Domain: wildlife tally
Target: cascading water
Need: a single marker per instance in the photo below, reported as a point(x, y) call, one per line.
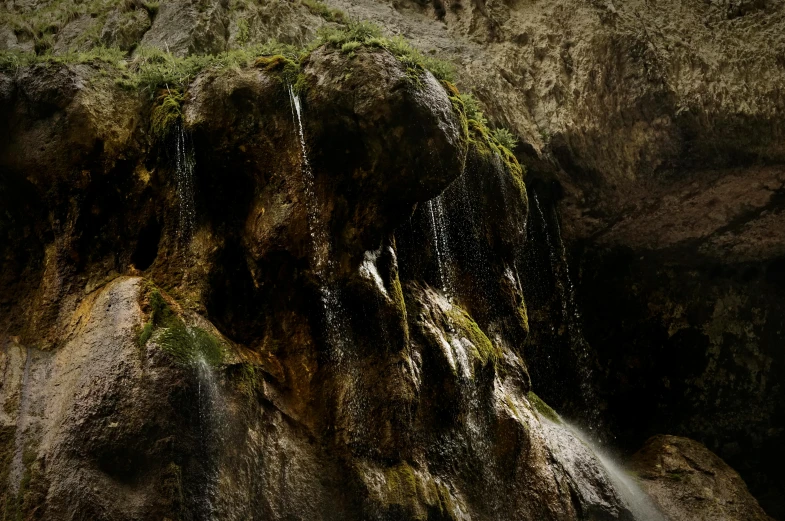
point(17, 463)
point(184, 174)
point(210, 422)
point(566, 442)
point(334, 315)
point(438, 222)
point(571, 318)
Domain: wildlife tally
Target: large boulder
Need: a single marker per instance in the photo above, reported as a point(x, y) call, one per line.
point(691, 483)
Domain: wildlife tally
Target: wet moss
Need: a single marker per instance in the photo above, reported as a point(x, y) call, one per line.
point(401, 484)
point(487, 352)
point(188, 344)
point(183, 343)
point(248, 379)
point(172, 484)
point(542, 408)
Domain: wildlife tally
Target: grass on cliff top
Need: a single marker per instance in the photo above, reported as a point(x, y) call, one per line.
point(165, 77)
point(356, 34)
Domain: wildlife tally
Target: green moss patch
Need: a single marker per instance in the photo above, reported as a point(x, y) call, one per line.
point(542, 408)
point(487, 352)
point(356, 34)
point(184, 344)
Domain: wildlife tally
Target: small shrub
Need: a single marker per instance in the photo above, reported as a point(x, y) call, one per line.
point(166, 113)
point(321, 9)
point(505, 138)
point(243, 31)
point(472, 109)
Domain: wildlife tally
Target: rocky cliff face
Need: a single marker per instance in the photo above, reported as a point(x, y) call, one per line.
point(294, 281)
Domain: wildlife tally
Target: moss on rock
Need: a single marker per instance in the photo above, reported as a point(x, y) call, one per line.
point(542, 408)
point(486, 351)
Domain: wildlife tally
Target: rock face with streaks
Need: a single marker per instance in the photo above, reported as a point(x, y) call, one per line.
point(315, 297)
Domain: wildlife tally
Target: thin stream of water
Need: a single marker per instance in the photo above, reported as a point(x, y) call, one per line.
point(186, 190)
point(571, 317)
point(636, 500)
point(335, 317)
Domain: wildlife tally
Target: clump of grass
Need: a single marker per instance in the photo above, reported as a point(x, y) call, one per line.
point(288, 70)
point(12, 60)
point(152, 8)
point(166, 113)
point(44, 23)
point(356, 34)
point(321, 9)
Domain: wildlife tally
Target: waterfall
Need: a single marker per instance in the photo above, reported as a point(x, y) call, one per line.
point(438, 222)
point(335, 318)
point(184, 172)
point(571, 318)
point(210, 422)
point(566, 441)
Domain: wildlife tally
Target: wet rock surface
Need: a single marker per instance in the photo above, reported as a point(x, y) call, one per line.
point(651, 133)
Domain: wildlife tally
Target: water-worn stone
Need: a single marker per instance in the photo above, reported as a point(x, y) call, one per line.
point(689, 482)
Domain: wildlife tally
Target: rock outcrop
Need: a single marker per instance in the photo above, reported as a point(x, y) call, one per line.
point(382, 311)
point(689, 482)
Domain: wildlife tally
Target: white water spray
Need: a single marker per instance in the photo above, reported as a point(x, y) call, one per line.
point(184, 172)
point(441, 245)
point(635, 499)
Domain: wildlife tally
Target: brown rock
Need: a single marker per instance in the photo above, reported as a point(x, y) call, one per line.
point(691, 483)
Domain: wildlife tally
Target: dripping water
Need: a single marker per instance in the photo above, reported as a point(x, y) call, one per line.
point(184, 175)
point(17, 464)
point(440, 234)
point(210, 409)
point(571, 317)
point(335, 318)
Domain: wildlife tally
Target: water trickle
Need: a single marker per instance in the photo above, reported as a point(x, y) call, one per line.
point(17, 464)
point(439, 231)
point(184, 172)
point(335, 317)
point(571, 317)
point(210, 423)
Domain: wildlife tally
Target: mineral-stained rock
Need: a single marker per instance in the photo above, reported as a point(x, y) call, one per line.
point(689, 482)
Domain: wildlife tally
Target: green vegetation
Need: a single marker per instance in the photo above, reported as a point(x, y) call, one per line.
point(186, 344)
point(505, 138)
point(543, 408)
point(321, 9)
point(166, 113)
point(287, 69)
point(183, 343)
point(486, 350)
point(356, 34)
point(248, 378)
point(165, 77)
